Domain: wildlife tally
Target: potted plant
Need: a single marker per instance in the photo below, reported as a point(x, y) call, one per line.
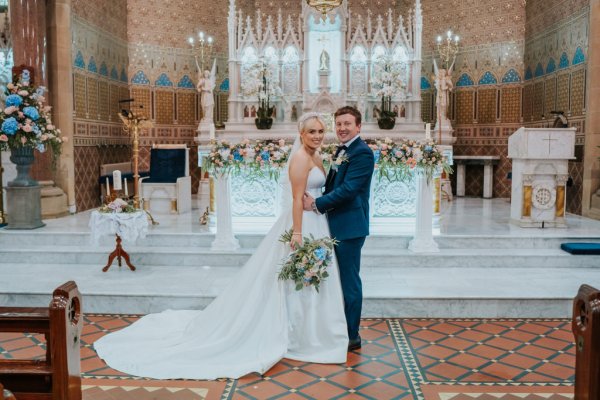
point(260, 80)
point(25, 126)
point(388, 82)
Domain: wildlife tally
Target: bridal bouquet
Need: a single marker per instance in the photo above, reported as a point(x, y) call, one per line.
point(307, 265)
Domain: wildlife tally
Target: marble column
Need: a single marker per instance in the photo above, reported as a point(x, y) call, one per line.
point(591, 165)
point(60, 72)
point(423, 241)
point(488, 179)
point(28, 31)
point(460, 179)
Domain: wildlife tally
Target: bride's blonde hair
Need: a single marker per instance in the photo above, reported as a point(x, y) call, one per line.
point(308, 117)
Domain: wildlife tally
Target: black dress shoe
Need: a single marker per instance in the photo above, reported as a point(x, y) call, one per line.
point(354, 344)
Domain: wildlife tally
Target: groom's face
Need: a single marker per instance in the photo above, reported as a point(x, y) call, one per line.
point(346, 128)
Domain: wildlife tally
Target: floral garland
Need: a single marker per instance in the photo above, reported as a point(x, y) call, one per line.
point(25, 121)
point(393, 161)
point(263, 157)
point(118, 205)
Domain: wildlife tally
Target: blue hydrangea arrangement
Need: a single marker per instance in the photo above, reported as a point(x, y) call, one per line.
point(25, 121)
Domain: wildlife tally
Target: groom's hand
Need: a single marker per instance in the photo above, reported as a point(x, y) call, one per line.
point(307, 202)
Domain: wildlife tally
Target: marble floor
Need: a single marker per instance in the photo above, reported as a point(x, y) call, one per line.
point(429, 359)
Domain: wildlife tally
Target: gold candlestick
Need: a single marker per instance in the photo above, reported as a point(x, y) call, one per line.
point(133, 122)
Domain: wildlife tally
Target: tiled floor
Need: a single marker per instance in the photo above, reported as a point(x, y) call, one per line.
point(400, 359)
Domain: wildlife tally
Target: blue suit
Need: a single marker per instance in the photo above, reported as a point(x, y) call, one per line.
point(346, 202)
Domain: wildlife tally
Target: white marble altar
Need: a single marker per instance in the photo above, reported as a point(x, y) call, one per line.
point(540, 169)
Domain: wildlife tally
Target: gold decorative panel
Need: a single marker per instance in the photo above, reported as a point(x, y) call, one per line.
point(186, 108)
point(527, 102)
point(79, 95)
point(142, 98)
point(114, 105)
point(486, 106)
point(164, 107)
point(538, 100)
point(92, 98)
point(577, 92)
point(563, 93)
point(464, 107)
point(550, 97)
point(103, 100)
point(426, 106)
point(510, 105)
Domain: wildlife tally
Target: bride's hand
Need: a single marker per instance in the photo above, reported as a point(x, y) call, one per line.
point(296, 240)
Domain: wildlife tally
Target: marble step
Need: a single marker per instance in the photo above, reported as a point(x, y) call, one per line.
point(388, 292)
point(250, 241)
point(393, 257)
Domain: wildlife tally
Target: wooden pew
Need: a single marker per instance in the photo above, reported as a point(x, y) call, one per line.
point(5, 394)
point(58, 376)
point(586, 328)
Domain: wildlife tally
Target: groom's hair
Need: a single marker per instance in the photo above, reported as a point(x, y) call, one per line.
point(349, 110)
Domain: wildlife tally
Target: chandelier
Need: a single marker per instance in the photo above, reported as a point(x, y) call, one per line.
point(324, 6)
point(202, 48)
point(447, 48)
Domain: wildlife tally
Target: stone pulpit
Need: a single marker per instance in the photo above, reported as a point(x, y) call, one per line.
point(540, 169)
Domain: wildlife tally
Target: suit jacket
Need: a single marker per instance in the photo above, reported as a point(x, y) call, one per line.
point(347, 192)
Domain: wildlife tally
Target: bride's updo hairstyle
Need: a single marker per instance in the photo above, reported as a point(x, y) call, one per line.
point(303, 121)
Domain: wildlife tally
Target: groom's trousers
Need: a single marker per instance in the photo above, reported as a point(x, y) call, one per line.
point(348, 257)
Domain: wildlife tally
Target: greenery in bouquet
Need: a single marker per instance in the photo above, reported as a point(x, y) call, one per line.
point(25, 121)
point(397, 161)
point(262, 158)
point(307, 264)
point(118, 205)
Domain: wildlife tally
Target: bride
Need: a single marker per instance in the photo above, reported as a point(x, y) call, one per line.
point(257, 320)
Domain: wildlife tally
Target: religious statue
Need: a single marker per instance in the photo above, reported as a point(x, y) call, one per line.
point(324, 61)
point(206, 85)
point(443, 85)
point(361, 106)
point(287, 109)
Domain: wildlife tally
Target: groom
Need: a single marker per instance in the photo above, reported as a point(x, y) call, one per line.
point(346, 202)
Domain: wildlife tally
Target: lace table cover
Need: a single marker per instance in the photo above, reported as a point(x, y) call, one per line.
point(129, 226)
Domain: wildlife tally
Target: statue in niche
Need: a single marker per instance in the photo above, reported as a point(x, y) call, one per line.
point(375, 112)
point(253, 112)
point(246, 112)
point(206, 85)
point(287, 109)
point(324, 61)
point(395, 109)
point(402, 111)
point(361, 106)
point(294, 113)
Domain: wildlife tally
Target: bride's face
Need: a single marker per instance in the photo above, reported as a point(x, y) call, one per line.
point(312, 135)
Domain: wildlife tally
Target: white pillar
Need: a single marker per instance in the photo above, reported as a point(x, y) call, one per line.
point(488, 181)
point(224, 238)
point(460, 180)
point(423, 241)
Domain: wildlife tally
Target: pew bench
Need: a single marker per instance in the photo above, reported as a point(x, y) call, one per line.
point(57, 377)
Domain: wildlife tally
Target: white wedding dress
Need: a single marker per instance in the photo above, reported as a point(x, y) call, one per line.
point(256, 321)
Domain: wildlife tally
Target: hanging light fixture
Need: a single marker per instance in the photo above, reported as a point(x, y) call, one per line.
point(324, 6)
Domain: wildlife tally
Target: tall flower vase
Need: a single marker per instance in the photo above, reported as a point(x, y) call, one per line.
point(23, 158)
point(423, 241)
point(23, 194)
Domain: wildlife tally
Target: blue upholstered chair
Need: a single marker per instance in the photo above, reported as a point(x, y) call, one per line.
point(168, 188)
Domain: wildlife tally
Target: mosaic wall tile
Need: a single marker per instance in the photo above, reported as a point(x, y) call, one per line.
point(551, 67)
point(143, 101)
point(579, 57)
point(538, 100)
point(109, 14)
point(92, 97)
point(186, 103)
point(163, 80)
point(528, 102)
point(164, 107)
point(575, 192)
point(186, 82)
point(113, 102)
point(464, 80)
point(103, 100)
point(511, 76)
point(486, 106)
point(92, 67)
point(564, 61)
point(79, 63)
point(103, 69)
point(425, 85)
point(80, 95)
point(563, 92)
point(427, 107)
point(464, 107)
point(577, 92)
point(510, 111)
point(550, 97)
point(488, 79)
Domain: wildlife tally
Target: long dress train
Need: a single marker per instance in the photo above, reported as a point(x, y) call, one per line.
point(256, 321)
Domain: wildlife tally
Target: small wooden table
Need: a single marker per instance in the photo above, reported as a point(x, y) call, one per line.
point(125, 226)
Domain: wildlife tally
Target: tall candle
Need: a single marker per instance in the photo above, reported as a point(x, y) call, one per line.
point(107, 187)
point(117, 180)
point(428, 131)
point(126, 191)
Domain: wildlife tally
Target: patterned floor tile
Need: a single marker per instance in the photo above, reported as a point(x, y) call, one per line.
point(430, 359)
